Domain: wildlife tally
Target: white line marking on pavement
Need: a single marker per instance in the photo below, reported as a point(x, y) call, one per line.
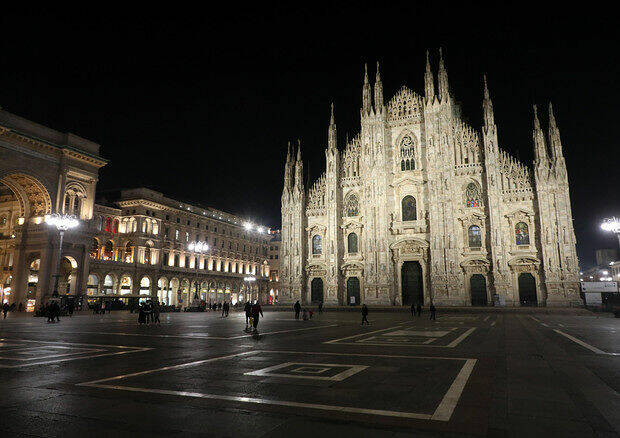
point(460, 339)
point(120, 347)
point(535, 319)
point(333, 341)
point(584, 344)
point(493, 323)
point(443, 412)
point(449, 401)
point(284, 331)
point(487, 318)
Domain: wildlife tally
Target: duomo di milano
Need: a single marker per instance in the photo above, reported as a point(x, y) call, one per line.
point(421, 207)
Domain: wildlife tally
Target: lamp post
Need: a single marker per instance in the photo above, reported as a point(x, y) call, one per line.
point(62, 222)
point(612, 224)
point(200, 248)
point(249, 280)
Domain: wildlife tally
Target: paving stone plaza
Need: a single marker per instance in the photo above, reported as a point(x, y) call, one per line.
point(493, 374)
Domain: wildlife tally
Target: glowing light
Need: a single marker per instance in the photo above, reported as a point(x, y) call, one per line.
point(199, 247)
point(611, 224)
point(247, 226)
point(63, 222)
point(250, 278)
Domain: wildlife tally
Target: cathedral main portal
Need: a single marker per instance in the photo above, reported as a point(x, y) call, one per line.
point(412, 283)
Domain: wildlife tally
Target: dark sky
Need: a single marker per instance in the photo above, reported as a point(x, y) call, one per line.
point(200, 104)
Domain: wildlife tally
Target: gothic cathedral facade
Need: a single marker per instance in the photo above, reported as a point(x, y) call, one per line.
point(421, 207)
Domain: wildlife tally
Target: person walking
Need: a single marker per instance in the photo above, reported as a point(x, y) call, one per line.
point(412, 309)
point(248, 313)
point(419, 309)
point(5, 309)
point(297, 308)
point(433, 311)
point(365, 314)
point(141, 314)
point(227, 308)
point(256, 312)
point(320, 307)
point(156, 311)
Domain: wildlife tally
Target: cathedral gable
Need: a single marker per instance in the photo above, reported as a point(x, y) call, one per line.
point(405, 107)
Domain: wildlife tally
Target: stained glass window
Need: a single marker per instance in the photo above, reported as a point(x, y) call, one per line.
point(472, 195)
point(351, 206)
point(522, 234)
point(409, 208)
point(407, 150)
point(474, 237)
point(352, 242)
point(317, 245)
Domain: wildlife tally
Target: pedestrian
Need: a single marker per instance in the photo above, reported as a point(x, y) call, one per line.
point(248, 313)
point(20, 308)
point(297, 308)
point(103, 306)
point(365, 314)
point(5, 309)
point(141, 315)
point(54, 311)
point(226, 308)
point(433, 311)
point(412, 309)
point(256, 312)
point(70, 306)
point(156, 311)
point(419, 309)
point(320, 307)
point(304, 314)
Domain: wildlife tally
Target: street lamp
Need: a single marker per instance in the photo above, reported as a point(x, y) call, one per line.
point(62, 222)
point(200, 248)
point(612, 224)
point(249, 279)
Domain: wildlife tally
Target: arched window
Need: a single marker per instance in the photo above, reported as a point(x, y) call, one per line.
point(317, 245)
point(351, 205)
point(472, 195)
point(352, 243)
point(94, 250)
point(77, 206)
point(409, 208)
point(108, 250)
point(407, 152)
point(522, 234)
point(474, 237)
point(147, 255)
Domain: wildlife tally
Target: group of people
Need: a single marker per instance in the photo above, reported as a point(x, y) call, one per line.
point(148, 312)
point(416, 308)
point(306, 313)
point(52, 311)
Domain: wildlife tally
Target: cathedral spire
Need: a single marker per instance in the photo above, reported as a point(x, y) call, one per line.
point(288, 171)
point(366, 103)
point(540, 148)
point(429, 81)
point(444, 89)
point(487, 106)
point(555, 143)
point(378, 91)
point(332, 136)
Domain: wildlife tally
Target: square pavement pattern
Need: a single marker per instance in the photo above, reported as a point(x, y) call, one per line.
point(198, 374)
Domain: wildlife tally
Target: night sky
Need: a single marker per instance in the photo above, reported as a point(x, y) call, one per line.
point(199, 104)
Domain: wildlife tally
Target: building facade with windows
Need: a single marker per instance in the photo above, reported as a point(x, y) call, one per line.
point(274, 265)
point(137, 246)
point(142, 246)
point(422, 207)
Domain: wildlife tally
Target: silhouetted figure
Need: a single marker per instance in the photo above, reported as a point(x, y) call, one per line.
point(297, 308)
point(320, 307)
point(412, 309)
point(256, 312)
point(365, 314)
point(248, 312)
point(5, 309)
point(419, 309)
point(433, 311)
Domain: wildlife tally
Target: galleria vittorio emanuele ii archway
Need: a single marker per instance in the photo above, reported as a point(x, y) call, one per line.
point(42, 172)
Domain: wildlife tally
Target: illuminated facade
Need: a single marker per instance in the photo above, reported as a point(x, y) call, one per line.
point(420, 206)
point(141, 247)
point(136, 247)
